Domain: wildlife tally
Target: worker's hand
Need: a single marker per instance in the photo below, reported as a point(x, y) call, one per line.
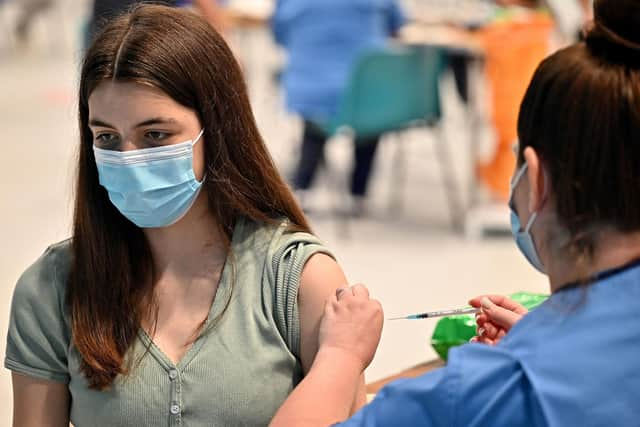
point(497, 316)
point(351, 325)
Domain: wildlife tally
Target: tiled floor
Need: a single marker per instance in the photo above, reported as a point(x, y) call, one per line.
point(409, 258)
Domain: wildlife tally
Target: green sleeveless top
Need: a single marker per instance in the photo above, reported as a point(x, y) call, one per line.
point(237, 373)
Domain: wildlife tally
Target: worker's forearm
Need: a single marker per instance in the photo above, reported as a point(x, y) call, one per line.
point(325, 396)
point(212, 12)
point(206, 7)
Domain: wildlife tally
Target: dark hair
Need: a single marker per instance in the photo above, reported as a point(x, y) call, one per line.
point(581, 114)
point(110, 284)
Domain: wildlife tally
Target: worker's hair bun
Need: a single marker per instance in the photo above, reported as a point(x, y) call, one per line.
point(616, 28)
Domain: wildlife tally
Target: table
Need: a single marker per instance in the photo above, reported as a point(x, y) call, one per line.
point(413, 372)
point(446, 36)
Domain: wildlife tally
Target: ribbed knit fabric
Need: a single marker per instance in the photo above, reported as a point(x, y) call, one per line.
point(237, 373)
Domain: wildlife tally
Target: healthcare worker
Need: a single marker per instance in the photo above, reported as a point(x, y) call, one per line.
point(573, 361)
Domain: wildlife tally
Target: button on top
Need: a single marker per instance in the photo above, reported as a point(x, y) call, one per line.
point(173, 374)
point(175, 409)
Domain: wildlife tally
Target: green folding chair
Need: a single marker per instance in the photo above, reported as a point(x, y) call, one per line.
point(392, 90)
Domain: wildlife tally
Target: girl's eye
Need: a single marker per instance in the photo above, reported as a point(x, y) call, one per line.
point(156, 136)
point(107, 139)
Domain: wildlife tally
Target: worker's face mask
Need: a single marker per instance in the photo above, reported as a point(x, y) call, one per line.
point(523, 237)
point(152, 187)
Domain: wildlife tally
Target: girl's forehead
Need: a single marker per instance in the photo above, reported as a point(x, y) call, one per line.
point(108, 92)
point(123, 102)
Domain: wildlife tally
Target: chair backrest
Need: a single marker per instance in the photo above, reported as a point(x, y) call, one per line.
point(390, 89)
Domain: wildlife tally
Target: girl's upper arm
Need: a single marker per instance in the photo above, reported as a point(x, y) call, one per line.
point(320, 278)
point(38, 340)
point(39, 402)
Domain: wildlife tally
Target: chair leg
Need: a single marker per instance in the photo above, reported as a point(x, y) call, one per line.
point(399, 176)
point(58, 26)
point(340, 195)
point(449, 181)
point(475, 117)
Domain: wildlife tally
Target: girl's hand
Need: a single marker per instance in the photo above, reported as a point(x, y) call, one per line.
point(352, 325)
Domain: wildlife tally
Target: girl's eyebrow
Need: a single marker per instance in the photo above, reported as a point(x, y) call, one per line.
point(152, 121)
point(99, 123)
point(156, 121)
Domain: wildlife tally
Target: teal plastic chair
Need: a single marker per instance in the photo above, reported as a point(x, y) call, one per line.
point(392, 90)
point(389, 90)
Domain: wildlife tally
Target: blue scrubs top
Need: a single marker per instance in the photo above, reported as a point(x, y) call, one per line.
point(323, 40)
point(574, 361)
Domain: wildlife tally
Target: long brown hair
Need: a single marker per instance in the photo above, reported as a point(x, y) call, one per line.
point(110, 281)
point(581, 114)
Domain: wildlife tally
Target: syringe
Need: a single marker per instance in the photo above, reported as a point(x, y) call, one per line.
point(440, 313)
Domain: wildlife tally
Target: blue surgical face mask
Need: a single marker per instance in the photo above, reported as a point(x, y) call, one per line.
point(523, 237)
point(152, 187)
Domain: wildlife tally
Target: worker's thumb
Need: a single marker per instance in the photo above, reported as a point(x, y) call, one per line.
point(499, 315)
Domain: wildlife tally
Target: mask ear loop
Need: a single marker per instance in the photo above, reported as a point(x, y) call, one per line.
point(534, 215)
point(518, 177)
point(204, 177)
point(198, 137)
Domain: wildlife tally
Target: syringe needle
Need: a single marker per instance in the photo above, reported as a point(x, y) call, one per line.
point(440, 313)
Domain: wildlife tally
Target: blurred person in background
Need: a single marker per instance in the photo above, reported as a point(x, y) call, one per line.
point(323, 40)
point(192, 288)
point(28, 11)
point(575, 204)
point(214, 11)
point(514, 44)
point(103, 11)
